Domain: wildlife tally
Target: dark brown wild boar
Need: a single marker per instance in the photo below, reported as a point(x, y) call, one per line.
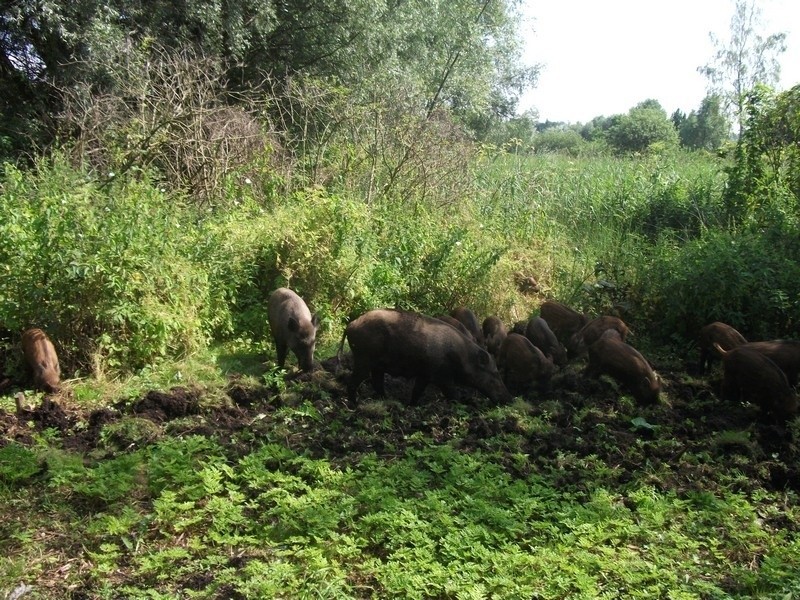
point(457, 324)
point(521, 364)
point(716, 333)
point(519, 327)
point(293, 327)
point(408, 344)
point(750, 375)
point(541, 336)
point(784, 353)
point(591, 332)
point(611, 356)
point(470, 321)
point(563, 320)
point(494, 332)
point(41, 357)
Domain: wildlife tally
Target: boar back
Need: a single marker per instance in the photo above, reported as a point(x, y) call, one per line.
point(563, 320)
point(494, 332)
point(541, 336)
point(717, 333)
point(750, 375)
point(591, 332)
point(470, 321)
point(610, 355)
point(408, 344)
point(521, 364)
point(784, 353)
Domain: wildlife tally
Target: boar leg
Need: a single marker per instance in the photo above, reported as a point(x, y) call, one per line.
point(377, 382)
point(591, 371)
point(704, 361)
point(450, 391)
point(419, 387)
point(282, 349)
point(731, 391)
point(359, 374)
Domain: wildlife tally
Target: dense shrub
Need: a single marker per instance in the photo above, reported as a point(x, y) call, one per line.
point(120, 274)
point(565, 141)
point(736, 278)
point(764, 179)
point(344, 257)
point(645, 127)
point(100, 267)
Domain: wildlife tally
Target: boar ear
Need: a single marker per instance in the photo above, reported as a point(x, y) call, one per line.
point(315, 320)
point(293, 324)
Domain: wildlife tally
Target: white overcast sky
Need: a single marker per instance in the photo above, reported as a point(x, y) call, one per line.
point(603, 57)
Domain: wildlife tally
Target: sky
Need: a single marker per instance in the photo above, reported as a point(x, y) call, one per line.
point(601, 58)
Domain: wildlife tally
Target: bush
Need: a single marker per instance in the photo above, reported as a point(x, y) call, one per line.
point(343, 257)
point(564, 141)
point(645, 127)
point(100, 267)
point(735, 278)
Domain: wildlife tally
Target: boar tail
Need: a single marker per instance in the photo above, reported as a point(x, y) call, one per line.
point(341, 345)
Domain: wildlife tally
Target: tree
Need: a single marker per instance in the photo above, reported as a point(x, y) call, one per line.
point(705, 128)
point(764, 180)
point(563, 141)
point(747, 59)
point(644, 126)
point(463, 55)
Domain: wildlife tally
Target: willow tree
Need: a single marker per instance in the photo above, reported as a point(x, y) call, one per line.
point(461, 54)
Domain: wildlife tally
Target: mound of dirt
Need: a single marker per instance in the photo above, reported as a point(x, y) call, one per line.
point(165, 406)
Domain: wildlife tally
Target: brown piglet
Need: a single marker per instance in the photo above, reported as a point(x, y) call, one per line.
point(41, 357)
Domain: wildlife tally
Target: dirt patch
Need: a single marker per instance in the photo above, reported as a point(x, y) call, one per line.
point(165, 406)
point(584, 430)
point(246, 396)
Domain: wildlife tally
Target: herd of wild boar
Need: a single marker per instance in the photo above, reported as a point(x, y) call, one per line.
point(457, 350)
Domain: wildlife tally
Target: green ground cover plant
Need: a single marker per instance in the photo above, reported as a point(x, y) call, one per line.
point(299, 495)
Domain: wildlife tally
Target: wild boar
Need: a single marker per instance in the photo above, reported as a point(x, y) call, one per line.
point(521, 364)
point(752, 376)
point(494, 332)
point(41, 357)
point(784, 353)
point(408, 344)
point(293, 327)
point(457, 324)
point(716, 333)
point(563, 320)
point(541, 336)
point(592, 331)
point(610, 355)
point(519, 327)
point(470, 321)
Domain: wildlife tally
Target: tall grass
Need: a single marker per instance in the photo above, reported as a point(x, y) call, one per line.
point(124, 274)
point(590, 226)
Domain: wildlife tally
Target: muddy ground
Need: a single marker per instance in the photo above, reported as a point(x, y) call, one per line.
point(682, 443)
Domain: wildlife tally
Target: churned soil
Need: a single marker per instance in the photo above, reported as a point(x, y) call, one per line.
point(678, 444)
